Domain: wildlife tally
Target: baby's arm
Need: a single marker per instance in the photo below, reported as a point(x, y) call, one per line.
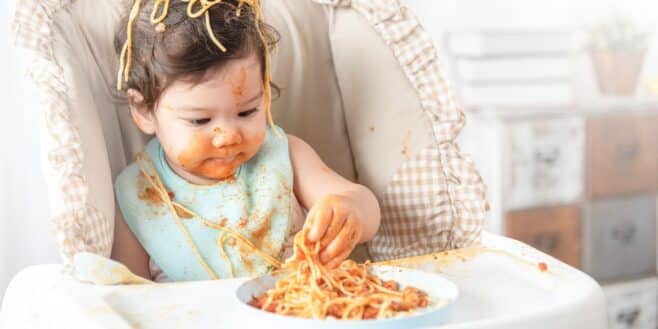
point(127, 249)
point(341, 214)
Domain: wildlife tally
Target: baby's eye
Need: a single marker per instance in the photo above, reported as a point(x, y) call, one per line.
point(247, 113)
point(199, 122)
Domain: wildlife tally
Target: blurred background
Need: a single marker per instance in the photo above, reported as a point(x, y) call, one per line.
point(561, 99)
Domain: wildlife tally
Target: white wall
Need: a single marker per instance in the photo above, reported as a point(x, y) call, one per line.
point(465, 14)
point(25, 232)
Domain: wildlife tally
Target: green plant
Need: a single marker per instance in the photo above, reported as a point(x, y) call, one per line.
point(617, 34)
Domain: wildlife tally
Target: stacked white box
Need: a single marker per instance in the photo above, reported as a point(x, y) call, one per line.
point(512, 68)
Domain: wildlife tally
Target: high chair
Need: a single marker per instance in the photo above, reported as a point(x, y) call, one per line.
point(362, 84)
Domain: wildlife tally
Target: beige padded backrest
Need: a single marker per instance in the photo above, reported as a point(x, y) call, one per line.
point(361, 83)
point(403, 122)
point(310, 105)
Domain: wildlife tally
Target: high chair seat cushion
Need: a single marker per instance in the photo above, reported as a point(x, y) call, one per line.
point(360, 82)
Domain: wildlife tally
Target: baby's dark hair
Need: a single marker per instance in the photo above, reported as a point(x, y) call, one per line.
point(180, 47)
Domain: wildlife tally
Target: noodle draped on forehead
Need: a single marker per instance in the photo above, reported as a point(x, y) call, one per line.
point(196, 9)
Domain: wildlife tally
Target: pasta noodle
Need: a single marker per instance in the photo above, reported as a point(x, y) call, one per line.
point(310, 290)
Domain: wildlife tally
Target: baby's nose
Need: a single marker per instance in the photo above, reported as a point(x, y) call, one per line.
point(223, 138)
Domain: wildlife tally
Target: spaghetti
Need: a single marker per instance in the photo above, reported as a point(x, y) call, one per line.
point(310, 290)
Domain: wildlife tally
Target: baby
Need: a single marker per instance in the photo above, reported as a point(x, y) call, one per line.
point(219, 192)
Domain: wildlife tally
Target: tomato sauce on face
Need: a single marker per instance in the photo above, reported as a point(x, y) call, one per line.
point(201, 158)
point(239, 87)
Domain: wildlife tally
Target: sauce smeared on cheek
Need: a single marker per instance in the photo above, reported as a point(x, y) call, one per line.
point(196, 158)
point(202, 159)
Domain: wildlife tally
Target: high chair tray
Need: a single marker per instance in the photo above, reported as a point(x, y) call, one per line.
point(502, 284)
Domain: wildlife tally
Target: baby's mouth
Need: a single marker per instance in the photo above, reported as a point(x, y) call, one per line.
point(222, 160)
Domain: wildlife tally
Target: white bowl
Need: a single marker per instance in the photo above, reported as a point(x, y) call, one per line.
point(442, 294)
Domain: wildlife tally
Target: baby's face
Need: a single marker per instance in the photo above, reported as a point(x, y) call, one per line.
point(209, 129)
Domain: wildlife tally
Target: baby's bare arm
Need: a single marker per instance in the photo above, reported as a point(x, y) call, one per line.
point(127, 249)
point(342, 213)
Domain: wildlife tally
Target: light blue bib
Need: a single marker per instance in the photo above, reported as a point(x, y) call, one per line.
point(257, 204)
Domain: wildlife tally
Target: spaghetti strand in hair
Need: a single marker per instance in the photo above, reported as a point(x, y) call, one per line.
point(126, 52)
point(163, 12)
point(196, 9)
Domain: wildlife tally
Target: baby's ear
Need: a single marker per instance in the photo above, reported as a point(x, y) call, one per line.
point(142, 115)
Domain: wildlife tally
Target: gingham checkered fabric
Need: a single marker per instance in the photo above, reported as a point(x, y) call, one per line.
point(78, 225)
point(436, 200)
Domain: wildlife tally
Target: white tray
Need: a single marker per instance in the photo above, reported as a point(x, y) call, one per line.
point(500, 284)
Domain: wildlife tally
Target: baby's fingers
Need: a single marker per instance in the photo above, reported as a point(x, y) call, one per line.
point(320, 218)
point(338, 221)
point(338, 259)
point(345, 240)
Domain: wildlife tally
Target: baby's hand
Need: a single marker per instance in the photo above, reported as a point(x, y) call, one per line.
point(334, 222)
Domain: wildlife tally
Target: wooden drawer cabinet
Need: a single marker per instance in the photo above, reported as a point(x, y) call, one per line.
point(632, 304)
point(555, 231)
point(622, 155)
point(620, 238)
point(545, 162)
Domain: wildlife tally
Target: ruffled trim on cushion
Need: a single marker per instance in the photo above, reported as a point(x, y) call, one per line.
point(78, 225)
point(436, 200)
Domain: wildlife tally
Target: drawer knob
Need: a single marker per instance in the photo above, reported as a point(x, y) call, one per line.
point(548, 158)
point(624, 232)
point(628, 317)
point(546, 242)
point(627, 152)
